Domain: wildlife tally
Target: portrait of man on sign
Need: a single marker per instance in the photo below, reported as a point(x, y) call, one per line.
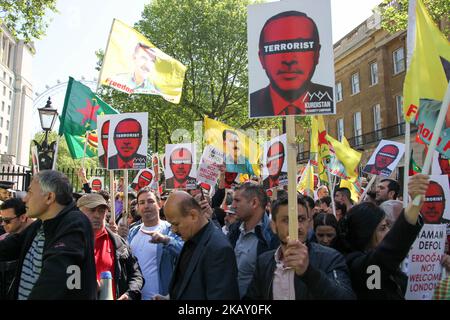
point(127, 139)
point(383, 159)
point(96, 184)
point(275, 159)
point(104, 136)
point(235, 161)
point(434, 206)
point(143, 179)
point(180, 165)
point(141, 78)
point(289, 51)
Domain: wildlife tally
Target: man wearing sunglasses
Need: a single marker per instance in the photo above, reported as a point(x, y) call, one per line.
point(12, 217)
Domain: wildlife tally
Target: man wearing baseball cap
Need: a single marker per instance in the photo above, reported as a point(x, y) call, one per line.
point(111, 251)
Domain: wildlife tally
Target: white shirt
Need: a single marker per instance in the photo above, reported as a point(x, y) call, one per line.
point(283, 280)
point(145, 253)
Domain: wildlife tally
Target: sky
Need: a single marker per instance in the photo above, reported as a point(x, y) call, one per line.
point(82, 26)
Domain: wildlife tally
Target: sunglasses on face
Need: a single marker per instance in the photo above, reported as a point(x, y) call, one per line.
point(7, 220)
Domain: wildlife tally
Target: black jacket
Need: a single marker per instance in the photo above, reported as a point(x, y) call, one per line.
point(326, 278)
point(127, 273)
point(211, 273)
point(69, 241)
point(387, 256)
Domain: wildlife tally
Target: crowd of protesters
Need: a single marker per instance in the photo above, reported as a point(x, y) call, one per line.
point(225, 244)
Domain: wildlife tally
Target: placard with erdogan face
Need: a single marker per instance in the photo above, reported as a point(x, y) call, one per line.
point(180, 167)
point(127, 141)
point(144, 178)
point(97, 183)
point(436, 206)
point(103, 123)
point(385, 158)
point(290, 54)
point(274, 170)
point(440, 164)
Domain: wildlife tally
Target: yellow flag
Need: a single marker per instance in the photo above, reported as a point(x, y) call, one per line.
point(346, 160)
point(133, 65)
point(306, 183)
point(355, 193)
point(241, 152)
point(426, 77)
point(320, 147)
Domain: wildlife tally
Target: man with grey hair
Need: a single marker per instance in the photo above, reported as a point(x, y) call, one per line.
point(56, 254)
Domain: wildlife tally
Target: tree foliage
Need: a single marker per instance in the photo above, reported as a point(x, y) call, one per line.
point(395, 14)
point(64, 158)
point(26, 18)
point(210, 38)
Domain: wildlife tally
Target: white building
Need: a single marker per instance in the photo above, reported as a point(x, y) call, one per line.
point(16, 99)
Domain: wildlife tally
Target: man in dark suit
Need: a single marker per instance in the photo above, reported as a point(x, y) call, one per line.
point(289, 53)
point(206, 268)
point(127, 139)
point(180, 164)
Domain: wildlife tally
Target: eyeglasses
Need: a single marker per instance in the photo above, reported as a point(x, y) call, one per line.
point(7, 220)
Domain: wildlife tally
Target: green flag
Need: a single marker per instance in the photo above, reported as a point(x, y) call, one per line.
point(81, 107)
point(413, 166)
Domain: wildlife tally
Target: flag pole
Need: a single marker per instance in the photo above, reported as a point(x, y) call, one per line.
point(292, 177)
point(111, 191)
point(331, 184)
point(125, 197)
point(84, 150)
point(436, 136)
point(369, 185)
point(106, 51)
point(411, 37)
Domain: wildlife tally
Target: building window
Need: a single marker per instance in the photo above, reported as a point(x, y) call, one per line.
point(357, 125)
point(9, 110)
point(4, 91)
point(3, 106)
point(0, 138)
point(10, 95)
point(339, 95)
point(373, 73)
point(340, 128)
point(399, 106)
point(377, 121)
point(1, 122)
point(355, 83)
point(10, 81)
point(4, 75)
point(7, 124)
point(399, 60)
point(6, 141)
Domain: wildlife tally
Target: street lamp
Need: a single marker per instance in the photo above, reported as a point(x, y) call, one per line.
point(47, 116)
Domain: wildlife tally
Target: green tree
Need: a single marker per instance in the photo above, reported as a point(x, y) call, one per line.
point(395, 14)
point(210, 38)
point(64, 159)
point(26, 18)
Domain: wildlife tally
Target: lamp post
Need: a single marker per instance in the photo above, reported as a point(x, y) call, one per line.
point(46, 151)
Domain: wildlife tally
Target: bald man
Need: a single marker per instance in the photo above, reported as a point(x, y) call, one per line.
point(206, 268)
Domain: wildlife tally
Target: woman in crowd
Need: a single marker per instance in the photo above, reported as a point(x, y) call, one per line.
point(377, 250)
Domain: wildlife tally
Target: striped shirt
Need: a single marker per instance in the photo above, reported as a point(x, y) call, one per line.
point(32, 265)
